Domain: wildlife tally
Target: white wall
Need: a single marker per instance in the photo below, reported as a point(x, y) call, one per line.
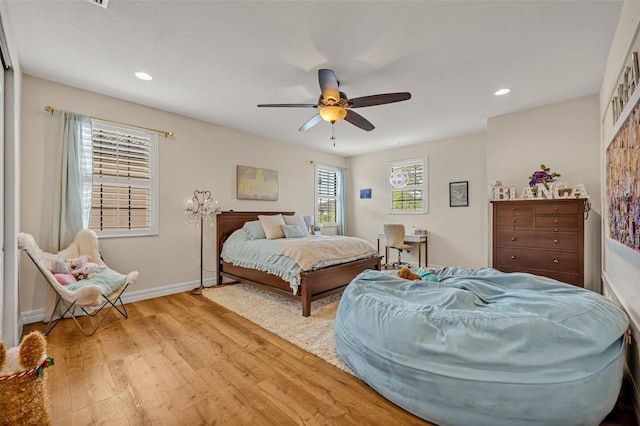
point(200, 156)
point(620, 264)
point(457, 235)
point(563, 136)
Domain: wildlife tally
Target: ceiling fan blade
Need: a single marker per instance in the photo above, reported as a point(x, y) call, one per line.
point(385, 98)
point(289, 105)
point(359, 121)
point(310, 123)
point(328, 84)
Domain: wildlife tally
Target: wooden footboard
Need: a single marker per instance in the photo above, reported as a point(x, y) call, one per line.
point(314, 285)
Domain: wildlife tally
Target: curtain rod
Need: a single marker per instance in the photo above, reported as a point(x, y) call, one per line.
point(162, 132)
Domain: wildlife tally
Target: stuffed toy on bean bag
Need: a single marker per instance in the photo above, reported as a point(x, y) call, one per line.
point(424, 274)
point(22, 389)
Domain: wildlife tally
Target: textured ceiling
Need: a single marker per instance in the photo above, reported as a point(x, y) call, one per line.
point(216, 60)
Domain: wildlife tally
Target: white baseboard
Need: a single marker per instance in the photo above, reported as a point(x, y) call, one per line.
point(37, 315)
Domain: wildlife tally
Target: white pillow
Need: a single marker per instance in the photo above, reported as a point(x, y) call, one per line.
point(272, 226)
point(297, 220)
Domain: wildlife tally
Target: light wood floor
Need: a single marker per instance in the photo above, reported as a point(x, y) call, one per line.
point(183, 360)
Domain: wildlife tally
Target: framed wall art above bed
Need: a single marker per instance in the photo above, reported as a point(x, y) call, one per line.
point(257, 184)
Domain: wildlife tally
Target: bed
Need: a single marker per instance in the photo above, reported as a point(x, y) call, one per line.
point(313, 284)
point(484, 347)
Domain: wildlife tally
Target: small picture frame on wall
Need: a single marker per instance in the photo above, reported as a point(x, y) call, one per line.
point(459, 194)
point(365, 193)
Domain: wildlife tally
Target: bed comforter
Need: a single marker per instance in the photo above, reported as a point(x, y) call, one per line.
point(287, 257)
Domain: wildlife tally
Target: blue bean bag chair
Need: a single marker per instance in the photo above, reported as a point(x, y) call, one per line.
point(482, 347)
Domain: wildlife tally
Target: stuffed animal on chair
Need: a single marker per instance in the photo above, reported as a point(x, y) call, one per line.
point(78, 262)
point(87, 270)
point(22, 389)
point(62, 273)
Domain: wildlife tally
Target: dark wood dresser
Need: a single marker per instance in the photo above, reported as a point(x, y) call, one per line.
point(542, 237)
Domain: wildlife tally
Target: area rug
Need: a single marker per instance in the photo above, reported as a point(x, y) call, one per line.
point(276, 314)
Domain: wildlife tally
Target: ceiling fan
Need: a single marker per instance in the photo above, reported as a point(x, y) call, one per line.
point(334, 105)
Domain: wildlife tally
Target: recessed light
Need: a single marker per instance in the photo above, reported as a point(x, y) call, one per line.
point(501, 92)
point(143, 75)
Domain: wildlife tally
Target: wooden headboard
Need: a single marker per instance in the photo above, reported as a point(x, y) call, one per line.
point(229, 221)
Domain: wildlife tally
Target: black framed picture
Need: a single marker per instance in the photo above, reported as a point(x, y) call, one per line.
point(459, 194)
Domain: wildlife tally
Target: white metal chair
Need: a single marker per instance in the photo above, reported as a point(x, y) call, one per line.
point(394, 238)
point(104, 290)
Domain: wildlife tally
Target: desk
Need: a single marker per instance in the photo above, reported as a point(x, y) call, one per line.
point(419, 240)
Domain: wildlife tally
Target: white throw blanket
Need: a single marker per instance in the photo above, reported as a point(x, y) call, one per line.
point(309, 252)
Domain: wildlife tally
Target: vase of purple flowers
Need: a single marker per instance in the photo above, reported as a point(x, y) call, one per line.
point(544, 175)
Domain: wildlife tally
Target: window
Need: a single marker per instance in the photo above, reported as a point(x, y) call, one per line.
point(411, 198)
point(328, 202)
point(124, 199)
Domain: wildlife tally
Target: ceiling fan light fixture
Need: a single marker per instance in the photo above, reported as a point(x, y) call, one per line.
point(332, 113)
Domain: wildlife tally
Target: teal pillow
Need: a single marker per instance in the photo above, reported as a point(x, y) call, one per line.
point(255, 230)
point(108, 279)
point(292, 231)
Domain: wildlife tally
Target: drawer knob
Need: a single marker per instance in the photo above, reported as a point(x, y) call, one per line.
point(555, 261)
point(513, 221)
point(555, 221)
point(513, 238)
point(555, 208)
point(555, 241)
point(555, 230)
point(513, 209)
point(513, 257)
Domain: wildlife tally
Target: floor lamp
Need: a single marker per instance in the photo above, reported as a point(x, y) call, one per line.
point(200, 209)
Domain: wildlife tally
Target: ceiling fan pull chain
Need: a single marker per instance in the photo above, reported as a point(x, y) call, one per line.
point(333, 134)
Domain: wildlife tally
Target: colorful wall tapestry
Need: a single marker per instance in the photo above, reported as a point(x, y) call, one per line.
point(623, 182)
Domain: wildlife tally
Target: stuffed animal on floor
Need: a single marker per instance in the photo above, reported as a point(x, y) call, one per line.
point(22, 389)
point(424, 274)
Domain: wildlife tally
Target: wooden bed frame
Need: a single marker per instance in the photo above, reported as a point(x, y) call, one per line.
point(314, 285)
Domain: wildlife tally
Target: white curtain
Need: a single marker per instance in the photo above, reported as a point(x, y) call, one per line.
point(72, 178)
point(68, 184)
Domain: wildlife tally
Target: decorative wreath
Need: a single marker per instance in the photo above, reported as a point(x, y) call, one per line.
point(399, 179)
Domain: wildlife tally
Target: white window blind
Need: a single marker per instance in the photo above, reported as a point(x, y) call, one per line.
point(124, 201)
point(412, 198)
point(327, 195)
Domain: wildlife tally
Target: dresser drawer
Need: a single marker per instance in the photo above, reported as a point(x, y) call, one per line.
point(512, 209)
point(547, 240)
point(544, 260)
point(565, 278)
point(514, 221)
point(557, 208)
point(558, 221)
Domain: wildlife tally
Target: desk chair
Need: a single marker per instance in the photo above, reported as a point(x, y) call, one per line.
point(394, 238)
